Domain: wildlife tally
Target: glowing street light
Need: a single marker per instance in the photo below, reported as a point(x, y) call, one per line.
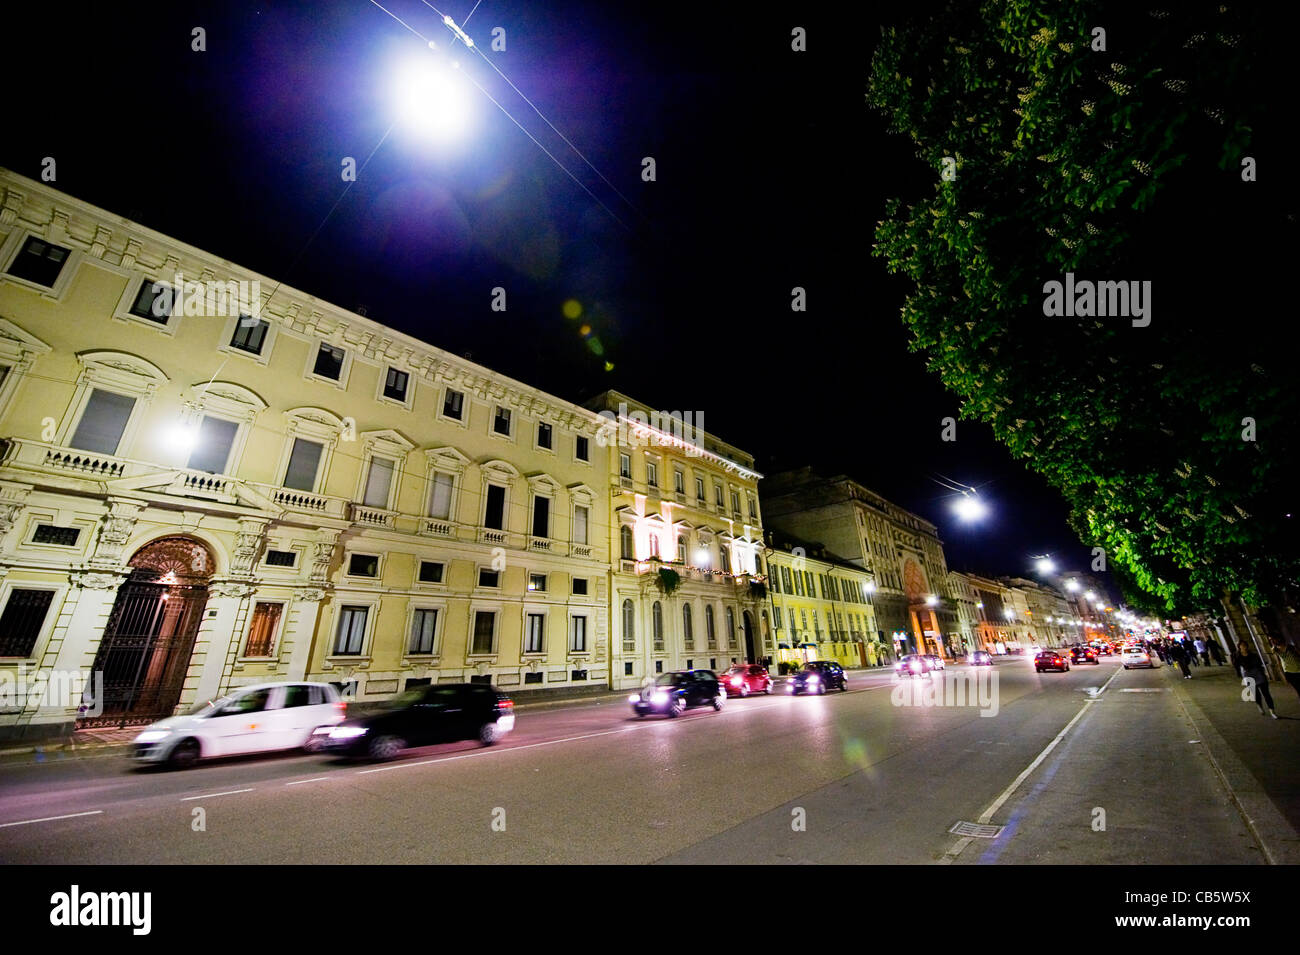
point(1072, 585)
point(433, 98)
point(969, 508)
point(1045, 565)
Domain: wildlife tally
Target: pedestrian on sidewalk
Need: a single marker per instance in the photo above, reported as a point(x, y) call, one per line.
point(1178, 653)
point(1251, 668)
point(1190, 651)
point(1203, 650)
point(1290, 663)
point(1216, 651)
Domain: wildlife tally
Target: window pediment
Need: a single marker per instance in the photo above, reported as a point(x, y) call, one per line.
point(446, 459)
point(122, 369)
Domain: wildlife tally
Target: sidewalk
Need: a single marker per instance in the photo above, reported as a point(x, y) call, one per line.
point(1258, 757)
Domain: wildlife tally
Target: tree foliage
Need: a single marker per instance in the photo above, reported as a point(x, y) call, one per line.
point(1118, 165)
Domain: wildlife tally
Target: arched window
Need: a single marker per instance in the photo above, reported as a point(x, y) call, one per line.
point(688, 627)
point(657, 615)
point(710, 632)
point(629, 627)
point(731, 629)
point(724, 564)
point(625, 548)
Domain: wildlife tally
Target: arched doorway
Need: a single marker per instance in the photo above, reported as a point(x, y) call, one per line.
point(145, 650)
point(751, 651)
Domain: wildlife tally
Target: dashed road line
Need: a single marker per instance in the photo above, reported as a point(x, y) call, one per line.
point(228, 792)
point(71, 815)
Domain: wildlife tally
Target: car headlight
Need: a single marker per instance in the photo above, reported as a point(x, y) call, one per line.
point(634, 698)
point(814, 678)
point(348, 732)
point(153, 736)
point(659, 696)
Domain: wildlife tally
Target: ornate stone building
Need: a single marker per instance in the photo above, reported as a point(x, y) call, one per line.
point(202, 488)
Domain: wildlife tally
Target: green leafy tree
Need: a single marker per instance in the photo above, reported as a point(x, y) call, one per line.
point(1115, 164)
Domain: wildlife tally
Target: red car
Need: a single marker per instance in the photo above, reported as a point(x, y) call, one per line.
point(746, 678)
point(1051, 660)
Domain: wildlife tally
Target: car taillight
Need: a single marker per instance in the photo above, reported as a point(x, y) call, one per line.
point(341, 706)
point(505, 704)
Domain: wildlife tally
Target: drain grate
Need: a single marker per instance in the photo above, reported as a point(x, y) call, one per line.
point(976, 831)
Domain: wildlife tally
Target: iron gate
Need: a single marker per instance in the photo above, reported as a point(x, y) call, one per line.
point(145, 650)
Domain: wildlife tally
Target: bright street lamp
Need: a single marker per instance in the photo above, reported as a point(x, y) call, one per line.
point(969, 508)
point(433, 98)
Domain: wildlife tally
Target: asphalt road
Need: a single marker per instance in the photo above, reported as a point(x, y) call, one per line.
point(1091, 766)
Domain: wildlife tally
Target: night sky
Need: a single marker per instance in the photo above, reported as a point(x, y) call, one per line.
point(771, 173)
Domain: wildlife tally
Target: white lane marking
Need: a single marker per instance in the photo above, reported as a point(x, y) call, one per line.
point(228, 792)
point(987, 814)
point(299, 782)
point(71, 815)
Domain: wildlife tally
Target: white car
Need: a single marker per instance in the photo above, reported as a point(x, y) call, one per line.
point(252, 719)
point(1135, 656)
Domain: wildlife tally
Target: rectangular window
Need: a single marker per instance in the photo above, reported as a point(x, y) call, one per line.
point(652, 474)
point(541, 517)
point(580, 515)
point(53, 534)
point(103, 422)
point(501, 421)
point(424, 624)
point(262, 631)
point(329, 362)
point(533, 633)
point(395, 384)
point(304, 461)
point(489, 578)
point(484, 627)
point(21, 622)
point(39, 261)
point(494, 513)
point(544, 435)
point(440, 495)
point(379, 482)
point(578, 635)
point(431, 571)
point(154, 301)
point(363, 565)
point(581, 449)
point(250, 334)
point(735, 502)
point(453, 404)
point(776, 617)
point(679, 481)
point(624, 466)
point(699, 489)
point(212, 448)
point(352, 631)
point(281, 558)
point(580, 586)
point(717, 494)
point(537, 582)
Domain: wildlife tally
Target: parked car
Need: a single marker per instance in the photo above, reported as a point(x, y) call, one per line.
point(438, 713)
point(746, 678)
point(913, 664)
point(677, 691)
point(980, 658)
point(1135, 655)
point(253, 719)
point(818, 676)
point(1084, 655)
point(1051, 660)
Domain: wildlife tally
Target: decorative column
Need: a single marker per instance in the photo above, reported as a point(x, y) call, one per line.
point(115, 530)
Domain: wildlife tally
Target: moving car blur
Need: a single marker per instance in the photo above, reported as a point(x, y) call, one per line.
point(423, 715)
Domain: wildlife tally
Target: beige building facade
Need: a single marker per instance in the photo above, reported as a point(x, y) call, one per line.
point(202, 489)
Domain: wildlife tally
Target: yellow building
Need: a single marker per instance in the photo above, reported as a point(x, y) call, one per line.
point(201, 488)
point(686, 541)
point(821, 606)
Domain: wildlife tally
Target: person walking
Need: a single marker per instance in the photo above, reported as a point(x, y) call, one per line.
point(1251, 668)
point(1216, 651)
point(1190, 650)
point(1290, 663)
point(1203, 650)
point(1178, 653)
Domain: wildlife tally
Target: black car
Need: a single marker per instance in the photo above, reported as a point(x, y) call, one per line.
point(426, 714)
point(677, 691)
point(818, 677)
point(1084, 655)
